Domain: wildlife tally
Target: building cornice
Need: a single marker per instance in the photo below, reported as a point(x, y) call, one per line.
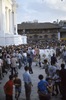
point(14, 5)
point(10, 1)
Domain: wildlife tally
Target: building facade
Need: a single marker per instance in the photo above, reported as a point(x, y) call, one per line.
point(8, 25)
point(62, 24)
point(40, 33)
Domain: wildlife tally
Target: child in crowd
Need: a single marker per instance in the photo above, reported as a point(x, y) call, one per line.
point(17, 83)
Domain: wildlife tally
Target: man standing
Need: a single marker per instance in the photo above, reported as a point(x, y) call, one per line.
point(8, 89)
point(62, 74)
point(29, 60)
point(27, 83)
point(13, 64)
point(17, 83)
point(1, 64)
point(53, 59)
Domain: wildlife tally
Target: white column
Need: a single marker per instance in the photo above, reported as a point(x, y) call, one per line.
point(9, 19)
point(14, 15)
point(0, 13)
point(10, 22)
point(58, 35)
point(6, 19)
point(13, 22)
point(2, 22)
point(2, 18)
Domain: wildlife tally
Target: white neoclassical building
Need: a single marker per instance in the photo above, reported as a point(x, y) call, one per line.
point(8, 25)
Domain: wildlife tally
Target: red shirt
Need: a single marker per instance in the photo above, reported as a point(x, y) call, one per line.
point(8, 88)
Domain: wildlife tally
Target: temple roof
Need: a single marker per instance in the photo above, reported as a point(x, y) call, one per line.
point(38, 26)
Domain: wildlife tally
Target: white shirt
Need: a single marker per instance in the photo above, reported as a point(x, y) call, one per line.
point(56, 78)
point(8, 61)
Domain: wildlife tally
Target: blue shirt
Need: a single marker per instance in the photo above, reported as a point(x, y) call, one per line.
point(27, 78)
point(42, 86)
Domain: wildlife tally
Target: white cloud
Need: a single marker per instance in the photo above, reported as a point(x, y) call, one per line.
point(42, 10)
point(57, 4)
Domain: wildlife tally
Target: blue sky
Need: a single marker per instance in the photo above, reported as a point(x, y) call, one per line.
point(41, 10)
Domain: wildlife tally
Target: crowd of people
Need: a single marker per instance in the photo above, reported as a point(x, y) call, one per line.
point(12, 58)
